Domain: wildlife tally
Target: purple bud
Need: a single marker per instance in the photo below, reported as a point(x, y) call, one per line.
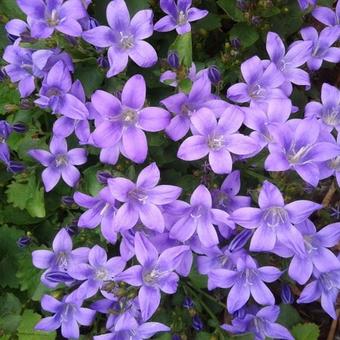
point(188, 303)
point(26, 104)
point(235, 43)
point(214, 74)
point(176, 337)
point(173, 59)
point(19, 127)
point(103, 62)
point(255, 20)
point(197, 323)
point(286, 294)
point(12, 38)
point(24, 241)
point(240, 314)
point(93, 23)
point(15, 167)
point(103, 176)
point(2, 75)
point(242, 5)
point(67, 200)
point(72, 228)
point(239, 241)
point(5, 130)
point(58, 276)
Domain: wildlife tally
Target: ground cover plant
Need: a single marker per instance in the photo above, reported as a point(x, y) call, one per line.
point(169, 169)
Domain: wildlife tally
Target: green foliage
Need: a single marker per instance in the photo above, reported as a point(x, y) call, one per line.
point(306, 331)
point(288, 317)
point(183, 46)
point(10, 308)
point(246, 33)
point(229, 6)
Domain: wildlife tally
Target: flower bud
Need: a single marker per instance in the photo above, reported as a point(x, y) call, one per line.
point(173, 59)
point(72, 228)
point(255, 20)
point(67, 200)
point(214, 74)
point(235, 43)
point(103, 176)
point(188, 303)
point(15, 167)
point(24, 241)
point(176, 337)
point(286, 294)
point(197, 323)
point(239, 241)
point(92, 23)
point(103, 62)
point(19, 127)
point(12, 38)
point(58, 276)
point(2, 74)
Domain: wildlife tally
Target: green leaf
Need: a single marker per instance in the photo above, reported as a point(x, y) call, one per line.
point(11, 9)
point(209, 23)
point(306, 331)
point(183, 46)
point(137, 5)
point(203, 336)
point(246, 33)
point(230, 7)
point(288, 316)
point(197, 280)
point(9, 96)
point(92, 186)
point(91, 76)
point(26, 328)
point(10, 308)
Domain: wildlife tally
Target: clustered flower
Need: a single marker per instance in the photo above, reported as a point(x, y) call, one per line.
point(160, 235)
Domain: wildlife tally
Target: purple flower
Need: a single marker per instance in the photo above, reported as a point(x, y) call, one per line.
point(56, 84)
point(130, 329)
point(45, 17)
point(143, 199)
point(75, 115)
point(59, 163)
point(299, 145)
point(262, 325)
point(247, 279)
point(5, 131)
point(17, 28)
point(199, 216)
point(124, 37)
point(154, 274)
point(304, 4)
point(101, 210)
point(288, 63)
point(97, 273)
point(184, 107)
point(325, 286)
point(178, 16)
point(60, 258)
point(274, 219)
point(327, 16)
point(226, 197)
point(24, 66)
point(329, 111)
point(261, 83)
point(68, 314)
point(125, 120)
point(314, 254)
point(216, 139)
point(321, 49)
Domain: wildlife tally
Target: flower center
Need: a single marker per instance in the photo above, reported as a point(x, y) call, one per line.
point(308, 243)
point(216, 142)
point(129, 116)
point(275, 217)
point(196, 212)
point(61, 160)
point(126, 41)
point(295, 157)
point(67, 312)
point(332, 116)
point(222, 199)
point(284, 65)
point(138, 195)
point(257, 91)
point(53, 20)
point(53, 91)
point(182, 18)
point(152, 277)
point(335, 163)
point(61, 259)
point(102, 274)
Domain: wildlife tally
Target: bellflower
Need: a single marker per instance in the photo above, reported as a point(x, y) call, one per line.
point(327, 16)
point(297, 145)
point(263, 120)
point(5, 131)
point(199, 216)
point(59, 162)
point(262, 325)
point(97, 272)
point(130, 329)
point(328, 111)
point(274, 219)
point(184, 107)
point(304, 4)
point(56, 84)
point(325, 286)
point(142, 199)
point(100, 210)
point(60, 258)
point(24, 66)
point(217, 139)
point(155, 273)
point(124, 37)
point(314, 254)
point(17, 28)
point(288, 63)
point(261, 83)
point(68, 314)
point(45, 17)
point(226, 197)
point(247, 279)
point(125, 120)
point(322, 46)
point(75, 115)
point(178, 16)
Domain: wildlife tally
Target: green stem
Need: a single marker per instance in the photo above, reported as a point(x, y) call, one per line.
point(83, 60)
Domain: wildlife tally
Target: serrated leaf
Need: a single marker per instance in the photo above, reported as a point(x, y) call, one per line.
point(306, 331)
point(26, 328)
point(183, 46)
point(230, 7)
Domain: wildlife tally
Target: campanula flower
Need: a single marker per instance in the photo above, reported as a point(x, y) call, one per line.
point(327, 16)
